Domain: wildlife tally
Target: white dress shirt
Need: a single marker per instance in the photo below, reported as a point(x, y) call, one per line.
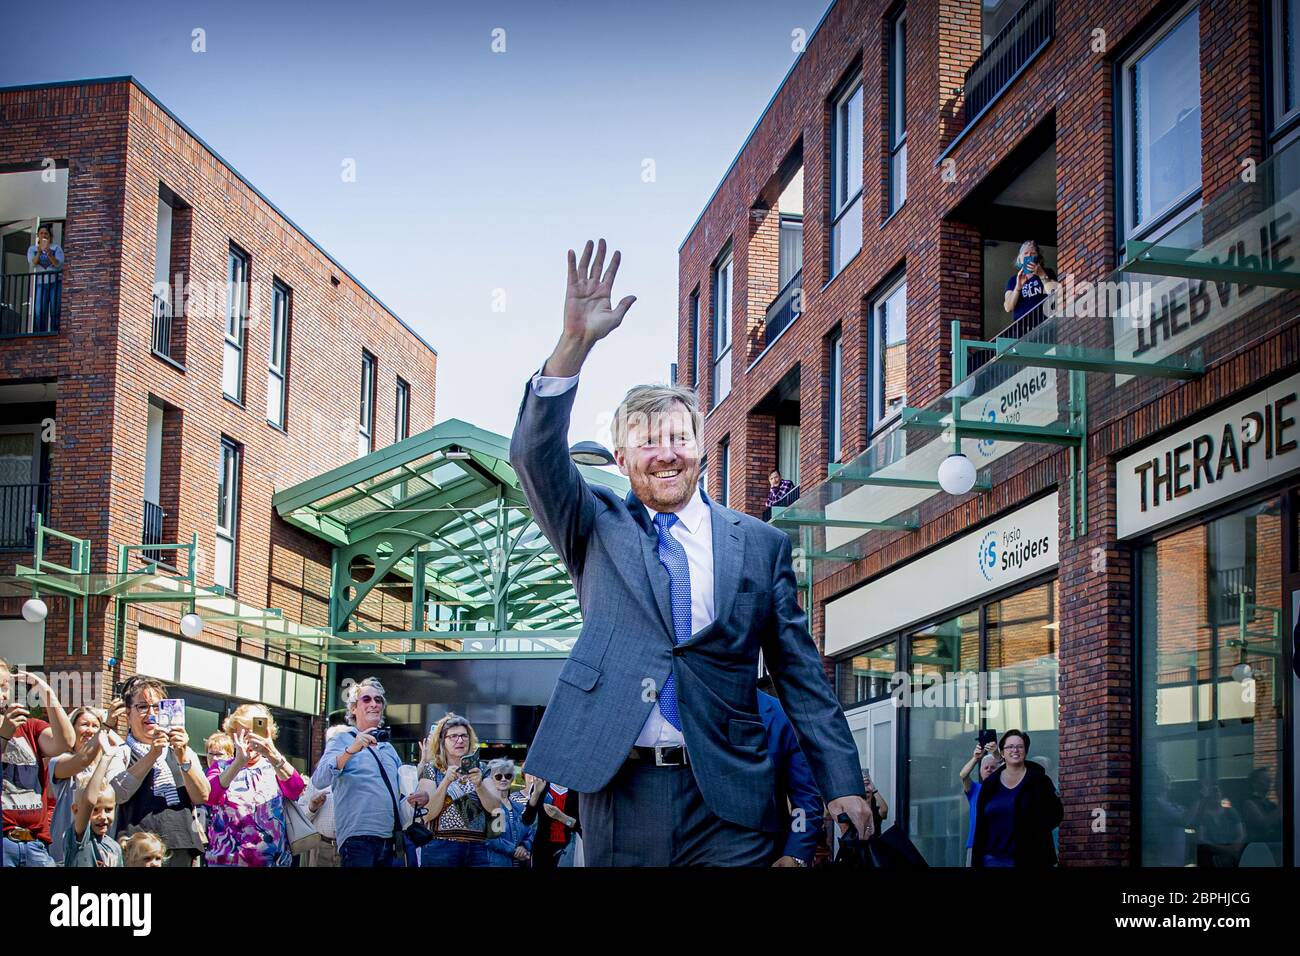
point(694, 530)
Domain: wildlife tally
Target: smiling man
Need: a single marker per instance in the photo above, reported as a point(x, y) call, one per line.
point(654, 718)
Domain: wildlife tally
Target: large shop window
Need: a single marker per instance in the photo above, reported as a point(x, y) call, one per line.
point(1018, 687)
point(1213, 693)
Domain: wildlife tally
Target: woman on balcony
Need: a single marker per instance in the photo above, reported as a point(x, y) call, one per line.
point(1026, 290)
point(45, 257)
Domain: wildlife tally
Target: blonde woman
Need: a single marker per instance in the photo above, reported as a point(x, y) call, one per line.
point(247, 826)
point(461, 801)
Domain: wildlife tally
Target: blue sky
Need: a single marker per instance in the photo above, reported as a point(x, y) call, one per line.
point(475, 170)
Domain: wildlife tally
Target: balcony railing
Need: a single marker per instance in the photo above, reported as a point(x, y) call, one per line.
point(1028, 31)
point(19, 506)
point(785, 501)
point(1016, 330)
point(785, 308)
point(153, 531)
point(30, 303)
point(1230, 583)
point(162, 326)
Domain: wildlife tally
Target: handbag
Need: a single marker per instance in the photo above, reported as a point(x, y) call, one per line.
point(300, 831)
point(887, 851)
point(399, 839)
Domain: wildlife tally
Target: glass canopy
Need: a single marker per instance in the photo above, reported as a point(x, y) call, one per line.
point(435, 546)
point(1220, 280)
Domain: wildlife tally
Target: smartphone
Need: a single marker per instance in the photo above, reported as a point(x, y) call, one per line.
point(468, 763)
point(261, 727)
point(171, 713)
point(988, 737)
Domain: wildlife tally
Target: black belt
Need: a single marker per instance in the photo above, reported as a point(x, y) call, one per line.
point(667, 756)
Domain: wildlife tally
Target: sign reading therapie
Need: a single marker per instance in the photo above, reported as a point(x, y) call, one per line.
point(1253, 442)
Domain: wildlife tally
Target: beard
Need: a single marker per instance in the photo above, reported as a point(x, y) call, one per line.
point(662, 496)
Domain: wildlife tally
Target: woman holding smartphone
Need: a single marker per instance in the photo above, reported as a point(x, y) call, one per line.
point(462, 805)
point(1032, 283)
point(247, 824)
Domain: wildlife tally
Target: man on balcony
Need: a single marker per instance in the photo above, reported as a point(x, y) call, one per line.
point(779, 488)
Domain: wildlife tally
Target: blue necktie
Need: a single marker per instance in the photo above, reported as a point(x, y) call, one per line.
point(673, 557)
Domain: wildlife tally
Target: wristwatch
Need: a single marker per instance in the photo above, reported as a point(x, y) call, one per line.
point(185, 767)
point(798, 861)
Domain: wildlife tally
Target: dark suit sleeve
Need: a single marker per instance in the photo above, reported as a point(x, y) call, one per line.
point(805, 694)
point(563, 506)
point(795, 779)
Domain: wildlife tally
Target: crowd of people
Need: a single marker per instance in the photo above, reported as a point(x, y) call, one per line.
point(121, 788)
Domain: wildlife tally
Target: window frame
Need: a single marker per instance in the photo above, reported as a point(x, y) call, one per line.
point(724, 472)
point(402, 410)
point(897, 111)
point(236, 329)
point(228, 496)
point(693, 322)
point(840, 169)
point(835, 409)
point(720, 331)
point(366, 408)
point(1184, 206)
point(1283, 124)
point(277, 366)
point(877, 417)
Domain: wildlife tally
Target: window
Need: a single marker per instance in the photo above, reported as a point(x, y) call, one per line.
point(277, 366)
point(721, 329)
point(1285, 65)
point(693, 370)
point(790, 254)
point(232, 366)
point(897, 112)
point(846, 178)
point(1161, 133)
point(162, 305)
point(888, 353)
point(834, 418)
point(366, 433)
point(704, 474)
point(724, 473)
point(402, 412)
point(227, 513)
point(1214, 763)
point(867, 675)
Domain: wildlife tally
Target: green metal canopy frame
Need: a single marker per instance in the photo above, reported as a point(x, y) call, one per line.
point(1240, 250)
point(442, 513)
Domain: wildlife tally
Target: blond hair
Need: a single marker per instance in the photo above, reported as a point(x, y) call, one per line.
point(433, 748)
point(221, 741)
point(643, 404)
point(241, 718)
point(139, 845)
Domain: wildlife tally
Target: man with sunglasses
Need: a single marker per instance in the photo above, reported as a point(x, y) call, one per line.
point(363, 772)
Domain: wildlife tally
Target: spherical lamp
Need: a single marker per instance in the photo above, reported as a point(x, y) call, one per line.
point(957, 474)
point(34, 610)
point(191, 625)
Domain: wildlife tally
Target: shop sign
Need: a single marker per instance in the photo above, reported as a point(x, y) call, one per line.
point(1010, 549)
point(1253, 442)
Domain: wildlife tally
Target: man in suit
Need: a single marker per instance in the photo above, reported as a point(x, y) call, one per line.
point(795, 784)
point(654, 718)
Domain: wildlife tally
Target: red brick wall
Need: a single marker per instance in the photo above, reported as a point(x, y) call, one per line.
point(120, 145)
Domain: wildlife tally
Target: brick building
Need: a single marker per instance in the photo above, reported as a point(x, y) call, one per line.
point(1122, 578)
point(191, 353)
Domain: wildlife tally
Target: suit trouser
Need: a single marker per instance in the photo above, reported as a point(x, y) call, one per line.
point(656, 816)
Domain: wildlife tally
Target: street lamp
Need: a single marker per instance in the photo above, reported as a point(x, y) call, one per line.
point(191, 625)
point(957, 474)
point(591, 453)
point(34, 610)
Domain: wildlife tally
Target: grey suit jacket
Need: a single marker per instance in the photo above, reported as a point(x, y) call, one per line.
point(627, 647)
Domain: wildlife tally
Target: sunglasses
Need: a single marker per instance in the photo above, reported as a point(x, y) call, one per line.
point(367, 698)
point(502, 776)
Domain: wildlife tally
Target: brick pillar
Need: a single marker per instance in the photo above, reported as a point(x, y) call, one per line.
point(1232, 79)
point(760, 459)
point(763, 276)
point(959, 47)
point(1096, 683)
point(961, 294)
point(182, 229)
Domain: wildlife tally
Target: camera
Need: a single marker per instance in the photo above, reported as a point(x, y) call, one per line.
point(382, 735)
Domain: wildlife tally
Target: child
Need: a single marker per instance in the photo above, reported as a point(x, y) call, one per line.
point(86, 842)
point(220, 746)
point(143, 849)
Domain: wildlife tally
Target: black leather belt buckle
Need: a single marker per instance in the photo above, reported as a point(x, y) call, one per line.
point(670, 756)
